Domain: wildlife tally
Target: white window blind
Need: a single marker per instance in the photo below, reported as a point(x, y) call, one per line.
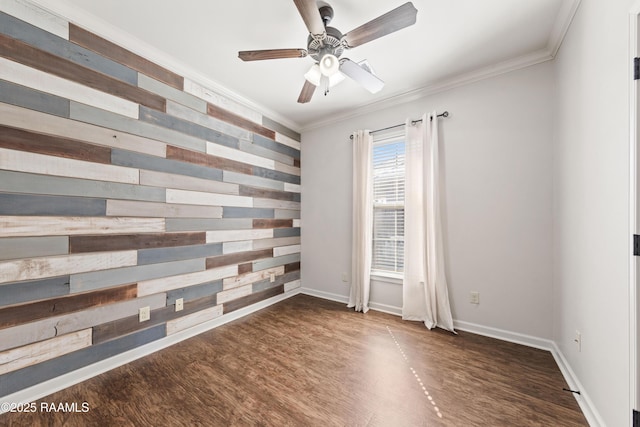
point(388, 206)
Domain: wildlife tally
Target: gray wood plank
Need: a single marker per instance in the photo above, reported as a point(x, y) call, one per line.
point(275, 175)
point(22, 96)
point(96, 116)
point(205, 120)
point(273, 125)
point(33, 290)
point(32, 375)
point(31, 247)
point(58, 46)
point(274, 262)
point(234, 212)
point(275, 146)
point(194, 292)
point(254, 181)
point(168, 92)
point(286, 232)
point(195, 224)
point(180, 253)
point(144, 161)
point(280, 280)
point(18, 182)
point(27, 204)
point(287, 214)
point(186, 127)
point(250, 147)
point(118, 276)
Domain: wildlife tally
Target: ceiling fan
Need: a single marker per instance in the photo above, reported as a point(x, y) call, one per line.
point(326, 44)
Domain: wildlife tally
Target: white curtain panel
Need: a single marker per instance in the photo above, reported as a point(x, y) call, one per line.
point(425, 294)
point(362, 220)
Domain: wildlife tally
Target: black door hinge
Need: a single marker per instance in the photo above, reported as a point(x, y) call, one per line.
point(636, 245)
point(636, 418)
point(636, 68)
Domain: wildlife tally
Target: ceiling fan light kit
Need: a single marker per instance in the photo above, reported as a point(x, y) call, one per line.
point(326, 44)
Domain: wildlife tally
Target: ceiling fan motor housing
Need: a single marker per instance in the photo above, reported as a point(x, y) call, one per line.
point(332, 44)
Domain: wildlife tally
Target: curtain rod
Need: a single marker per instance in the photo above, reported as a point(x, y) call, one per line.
point(413, 122)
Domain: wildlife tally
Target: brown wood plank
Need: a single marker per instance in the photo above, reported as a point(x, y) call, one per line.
point(239, 303)
point(116, 242)
point(296, 163)
point(238, 258)
point(106, 48)
point(245, 268)
point(202, 159)
point(22, 140)
point(23, 53)
point(272, 223)
point(295, 266)
point(127, 325)
point(29, 312)
point(234, 119)
point(266, 194)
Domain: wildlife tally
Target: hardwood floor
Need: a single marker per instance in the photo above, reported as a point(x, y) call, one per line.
point(310, 362)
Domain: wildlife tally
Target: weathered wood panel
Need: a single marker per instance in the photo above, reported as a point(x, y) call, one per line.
point(232, 294)
point(149, 287)
point(44, 82)
point(286, 250)
point(245, 268)
point(18, 358)
point(201, 118)
point(237, 258)
point(209, 199)
point(194, 292)
point(284, 139)
point(272, 223)
point(162, 255)
point(221, 101)
point(286, 232)
point(32, 247)
point(39, 268)
point(35, 15)
point(193, 319)
point(59, 325)
point(181, 182)
point(159, 164)
point(236, 212)
point(280, 128)
point(266, 194)
point(118, 242)
point(235, 247)
point(253, 298)
point(276, 176)
point(273, 262)
point(192, 224)
point(294, 266)
point(276, 146)
point(275, 204)
point(24, 313)
point(292, 285)
point(229, 117)
point(280, 280)
point(171, 93)
point(297, 223)
point(49, 63)
point(239, 156)
point(292, 170)
point(286, 213)
point(294, 188)
point(245, 279)
point(249, 147)
point(272, 243)
point(18, 293)
point(33, 205)
point(16, 226)
point(21, 96)
point(237, 235)
point(254, 181)
point(103, 279)
point(161, 210)
point(106, 48)
point(210, 161)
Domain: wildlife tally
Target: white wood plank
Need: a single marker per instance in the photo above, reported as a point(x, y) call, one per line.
point(182, 182)
point(193, 319)
point(36, 121)
point(240, 156)
point(284, 139)
point(297, 223)
point(208, 199)
point(275, 204)
point(59, 325)
point(205, 120)
point(292, 188)
point(215, 236)
point(154, 286)
point(21, 357)
point(36, 16)
point(271, 243)
point(23, 226)
point(235, 293)
point(44, 82)
point(293, 170)
point(152, 209)
point(286, 250)
point(248, 278)
point(21, 161)
point(216, 99)
point(292, 285)
point(235, 247)
point(38, 268)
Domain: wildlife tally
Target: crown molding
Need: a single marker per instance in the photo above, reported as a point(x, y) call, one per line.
point(104, 29)
point(565, 16)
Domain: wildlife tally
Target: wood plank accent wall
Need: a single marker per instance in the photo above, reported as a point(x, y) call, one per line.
point(123, 185)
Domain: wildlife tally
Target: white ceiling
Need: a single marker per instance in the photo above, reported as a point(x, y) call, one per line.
point(452, 41)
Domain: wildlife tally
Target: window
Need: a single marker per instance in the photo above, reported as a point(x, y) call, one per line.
point(388, 206)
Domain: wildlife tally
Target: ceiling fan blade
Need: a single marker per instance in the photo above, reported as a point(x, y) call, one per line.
point(309, 11)
point(307, 92)
point(257, 55)
point(388, 23)
point(370, 82)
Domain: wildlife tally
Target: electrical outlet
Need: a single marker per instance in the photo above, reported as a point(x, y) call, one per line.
point(272, 277)
point(345, 278)
point(474, 297)
point(144, 314)
point(180, 304)
point(578, 341)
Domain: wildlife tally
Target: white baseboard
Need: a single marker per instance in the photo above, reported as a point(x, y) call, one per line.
point(384, 308)
point(501, 334)
point(53, 385)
